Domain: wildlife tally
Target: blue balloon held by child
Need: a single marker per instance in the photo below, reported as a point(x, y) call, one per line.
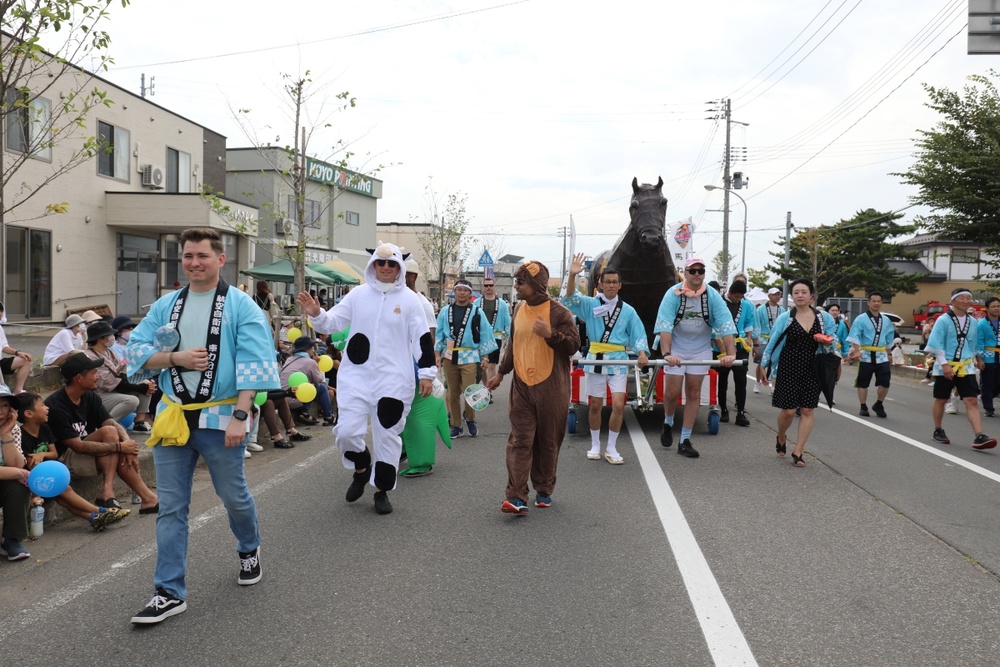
point(48, 479)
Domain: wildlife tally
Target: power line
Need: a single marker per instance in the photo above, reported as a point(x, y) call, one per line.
point(360, 33)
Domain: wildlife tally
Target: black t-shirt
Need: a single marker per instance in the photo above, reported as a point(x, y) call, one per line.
point(69, 420)
point(31, 443)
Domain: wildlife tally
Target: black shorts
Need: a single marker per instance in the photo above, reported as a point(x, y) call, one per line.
point(494, 356)
point(882, 373)
point(7, 365)
point(967, 387)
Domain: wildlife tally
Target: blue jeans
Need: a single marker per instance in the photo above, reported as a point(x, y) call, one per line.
point(174, 479)
point(323, 398)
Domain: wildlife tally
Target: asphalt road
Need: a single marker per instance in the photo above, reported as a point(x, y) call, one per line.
point(878, 552)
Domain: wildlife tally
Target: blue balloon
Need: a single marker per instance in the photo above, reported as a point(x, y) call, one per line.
point(48, 479)
point(128, 421)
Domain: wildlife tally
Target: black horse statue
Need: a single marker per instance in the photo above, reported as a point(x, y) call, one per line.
point(641, 255)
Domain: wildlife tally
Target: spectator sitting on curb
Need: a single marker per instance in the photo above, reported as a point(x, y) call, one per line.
point(304, 360)
point(14, 493)
point(38, 444)
point(67, 341)
point(89, 441)
point(119, 396)
point(123, 326)
point(275, 407)
point(19, 364)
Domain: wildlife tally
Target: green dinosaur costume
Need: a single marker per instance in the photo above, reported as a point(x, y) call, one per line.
point(427, 417)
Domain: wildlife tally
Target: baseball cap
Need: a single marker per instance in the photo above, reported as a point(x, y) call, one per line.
point(694, 260)
point(774, 290)
point(78, 363)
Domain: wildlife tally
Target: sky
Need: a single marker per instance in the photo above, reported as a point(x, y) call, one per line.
point(539, 110)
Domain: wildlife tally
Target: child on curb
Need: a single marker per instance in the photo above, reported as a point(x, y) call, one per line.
point(38, 444)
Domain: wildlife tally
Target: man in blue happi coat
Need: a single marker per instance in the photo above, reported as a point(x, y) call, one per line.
point(871, 337)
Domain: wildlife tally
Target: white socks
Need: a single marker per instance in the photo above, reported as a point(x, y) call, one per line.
point(612, 444)
point(595, 442)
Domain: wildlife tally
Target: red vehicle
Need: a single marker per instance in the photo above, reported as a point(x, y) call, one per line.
point(933, 309)
point(929, 310)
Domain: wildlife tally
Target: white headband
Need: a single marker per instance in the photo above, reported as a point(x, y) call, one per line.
point(964, 292)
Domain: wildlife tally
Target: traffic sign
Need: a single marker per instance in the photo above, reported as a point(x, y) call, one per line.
point(485, 259)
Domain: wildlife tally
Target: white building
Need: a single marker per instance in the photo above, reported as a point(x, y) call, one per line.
point(116, 243)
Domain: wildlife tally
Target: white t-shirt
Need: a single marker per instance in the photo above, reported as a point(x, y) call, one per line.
point(193, 328)
point(692, 336)
point(63, 342)
point(428, 311)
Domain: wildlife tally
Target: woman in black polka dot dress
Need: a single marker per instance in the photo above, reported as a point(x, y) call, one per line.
point(796, 384)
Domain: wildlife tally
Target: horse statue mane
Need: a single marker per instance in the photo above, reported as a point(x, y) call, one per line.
point(641, 255)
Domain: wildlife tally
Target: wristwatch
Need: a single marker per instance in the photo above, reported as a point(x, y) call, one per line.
point(240, 414)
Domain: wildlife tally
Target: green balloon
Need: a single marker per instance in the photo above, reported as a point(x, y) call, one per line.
point(297, 378)
point(260, 398)
point(340, 335)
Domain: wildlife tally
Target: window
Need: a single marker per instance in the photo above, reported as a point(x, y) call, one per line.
point(113, 151)
point(178, 171)
point(314, 211)
point(28, 124)
point(965, 256)
point(353, 218)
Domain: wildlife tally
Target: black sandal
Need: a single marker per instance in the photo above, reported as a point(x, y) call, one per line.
point(779, 446)
point(797, 460)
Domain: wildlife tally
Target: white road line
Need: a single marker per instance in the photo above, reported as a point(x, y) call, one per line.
point(37, 613)
point(725, 640)
point(951, 458)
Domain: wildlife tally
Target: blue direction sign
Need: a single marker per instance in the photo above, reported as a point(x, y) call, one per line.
point(485, 259)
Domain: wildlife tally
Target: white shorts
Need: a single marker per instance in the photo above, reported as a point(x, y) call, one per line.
point(703, 355)
point(598, 383)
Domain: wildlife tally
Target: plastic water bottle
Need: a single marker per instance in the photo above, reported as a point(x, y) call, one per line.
point(167, 337)
point(37, 521)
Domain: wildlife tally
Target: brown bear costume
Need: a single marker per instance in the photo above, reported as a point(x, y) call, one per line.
point(540, 388)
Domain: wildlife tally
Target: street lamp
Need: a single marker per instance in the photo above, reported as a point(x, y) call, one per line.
point(725, 234)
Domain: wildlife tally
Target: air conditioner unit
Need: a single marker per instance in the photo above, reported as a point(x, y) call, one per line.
point(152, 177)
point(284, 226)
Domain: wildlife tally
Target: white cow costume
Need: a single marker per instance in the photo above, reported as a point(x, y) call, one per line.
point(376, 379)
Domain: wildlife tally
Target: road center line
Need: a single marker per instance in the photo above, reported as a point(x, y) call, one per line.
point(37, 614)
point(951, 458)
point(725, 640)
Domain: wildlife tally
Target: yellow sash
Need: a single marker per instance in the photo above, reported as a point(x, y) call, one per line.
point(600, 348)
point(171, 428)
point(993, 349)
point(873, 348)
point(959, 367)
point(746, 345)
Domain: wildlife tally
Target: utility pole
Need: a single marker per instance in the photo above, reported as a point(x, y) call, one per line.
point(724, 278)
point(788, 256)
point(142, 86)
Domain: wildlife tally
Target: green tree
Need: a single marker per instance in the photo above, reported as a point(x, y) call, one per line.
point(762, 278)
point(287, 160)
point(957, 163)
point(445, 244)
point(48, 49)
point(717, 265)
point(849, 255)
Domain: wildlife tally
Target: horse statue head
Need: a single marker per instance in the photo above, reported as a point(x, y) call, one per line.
point(648, 212)
point(641, 256)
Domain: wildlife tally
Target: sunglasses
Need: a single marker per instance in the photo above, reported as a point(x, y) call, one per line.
point(696, 272)
point(488, 286)
point(383, 262)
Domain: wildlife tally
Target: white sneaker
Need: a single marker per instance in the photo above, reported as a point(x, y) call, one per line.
point(950, 408)
point(756, 387)
point(254, 447)
point(247, 454)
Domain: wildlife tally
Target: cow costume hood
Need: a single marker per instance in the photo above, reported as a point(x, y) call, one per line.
point(386, 251)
